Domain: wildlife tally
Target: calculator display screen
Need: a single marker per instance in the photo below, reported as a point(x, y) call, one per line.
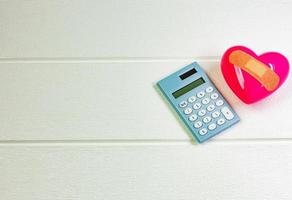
point(188, 87)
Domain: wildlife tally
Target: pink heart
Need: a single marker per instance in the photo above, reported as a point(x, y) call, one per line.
point(245, 86)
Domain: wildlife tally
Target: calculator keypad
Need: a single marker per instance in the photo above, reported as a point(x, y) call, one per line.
point(206, 111)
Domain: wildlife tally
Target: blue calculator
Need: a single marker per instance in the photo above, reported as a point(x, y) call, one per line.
point(197, 101)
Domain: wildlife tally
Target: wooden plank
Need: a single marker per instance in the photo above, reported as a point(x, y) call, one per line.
point(149, 28)
point(214, 171)
point(116, 101)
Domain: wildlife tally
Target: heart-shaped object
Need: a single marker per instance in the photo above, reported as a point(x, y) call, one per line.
point(253, 77)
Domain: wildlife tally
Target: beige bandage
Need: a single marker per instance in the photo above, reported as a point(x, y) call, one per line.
point(260, 71)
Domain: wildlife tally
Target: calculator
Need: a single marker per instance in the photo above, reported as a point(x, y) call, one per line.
point(197, 101)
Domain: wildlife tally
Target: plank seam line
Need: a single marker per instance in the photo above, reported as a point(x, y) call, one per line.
point(139, 142)
point(107, 59)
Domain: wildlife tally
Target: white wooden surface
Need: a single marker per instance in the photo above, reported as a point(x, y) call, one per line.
point(80, 118)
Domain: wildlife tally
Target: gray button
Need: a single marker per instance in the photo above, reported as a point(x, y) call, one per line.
point(219, 102)
point(221, 121)
point(193, 118)
point(183, 104)
point(205, 101)
point(207, 119)
point(202, 112)
point(212, 126)
point(192, 99)
point(211, 107)
point(188, 111)
point(209, 89)
point(201, 94)
point(215, 114)
point(203, 131)
point(198, 124)
point(197, 106)
point(214, 96)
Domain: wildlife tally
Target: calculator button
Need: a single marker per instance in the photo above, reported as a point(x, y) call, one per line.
point(188, 111)
point(209, 89)
point(211, 107)
point(205, 101)
point(227, 113)
point(193, 118)
point(212, 126)
point(183, 104)
point(197, 106)
point(192, 99)
point(221, 121)
point(214, 96)
point(219, 102)
point(215, 114)
point(207, 119)
point(203, 131)
point(198, 124)
point(202, 112)
point(201, 94)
